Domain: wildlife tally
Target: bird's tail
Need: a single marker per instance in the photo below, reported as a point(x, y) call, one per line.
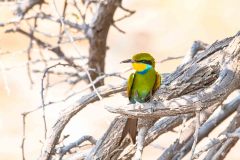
point(131, 129)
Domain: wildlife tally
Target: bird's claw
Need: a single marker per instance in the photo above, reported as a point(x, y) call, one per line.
point(138, 106)
point(152, 108)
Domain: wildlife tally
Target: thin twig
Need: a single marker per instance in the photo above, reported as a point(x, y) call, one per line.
point(30, 46)
point(38, 61)
point(94, 82)
point(125, 16)
point(119, 29)
point(23, 135)
point(13, 53)
point(170, 58)
point(61, 26)
point(125, 9)
point(42, 95)
point(83, 16)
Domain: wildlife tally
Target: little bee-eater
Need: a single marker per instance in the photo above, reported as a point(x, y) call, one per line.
point(141, 85)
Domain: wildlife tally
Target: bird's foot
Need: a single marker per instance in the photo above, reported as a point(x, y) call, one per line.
point(153, 107)
point(138, 106)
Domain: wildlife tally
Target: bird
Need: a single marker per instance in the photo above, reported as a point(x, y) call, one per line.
point(141, 85)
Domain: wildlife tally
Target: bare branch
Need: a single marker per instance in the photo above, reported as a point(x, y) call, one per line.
point(23, 135)
point(170, 58)
point(42, 96)
point(63, 150)
point(119, 29)
point(125, 9)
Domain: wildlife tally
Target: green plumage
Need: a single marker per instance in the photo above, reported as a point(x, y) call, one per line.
point(141, 86)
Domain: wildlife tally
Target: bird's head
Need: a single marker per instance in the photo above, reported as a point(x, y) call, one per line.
point(141, 62)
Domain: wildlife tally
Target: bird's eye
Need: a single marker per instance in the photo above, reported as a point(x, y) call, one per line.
point(146, 62)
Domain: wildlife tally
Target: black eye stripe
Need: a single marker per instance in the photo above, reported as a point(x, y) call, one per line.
point(145, 61)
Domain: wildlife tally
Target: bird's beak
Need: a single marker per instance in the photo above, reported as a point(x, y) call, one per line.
point(128, 61)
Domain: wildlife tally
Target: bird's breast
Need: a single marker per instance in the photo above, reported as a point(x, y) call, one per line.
point(142, 86)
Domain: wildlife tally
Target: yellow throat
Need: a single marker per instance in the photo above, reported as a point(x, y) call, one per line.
point(139, 66)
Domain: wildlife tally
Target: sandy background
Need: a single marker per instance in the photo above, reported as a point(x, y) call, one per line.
point(163, 28)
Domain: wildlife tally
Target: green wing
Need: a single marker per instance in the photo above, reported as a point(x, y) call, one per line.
point(129, 85)
point(157, 82)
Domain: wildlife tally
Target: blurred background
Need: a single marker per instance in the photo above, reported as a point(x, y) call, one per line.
point(164, 28)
